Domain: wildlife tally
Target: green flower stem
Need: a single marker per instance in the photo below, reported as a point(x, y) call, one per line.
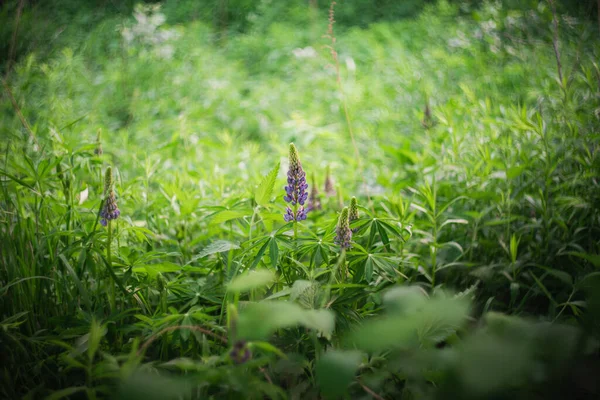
point(295, 225)
point(109, 259)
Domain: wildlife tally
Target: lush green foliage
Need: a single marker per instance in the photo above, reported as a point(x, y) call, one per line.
point(473, 271)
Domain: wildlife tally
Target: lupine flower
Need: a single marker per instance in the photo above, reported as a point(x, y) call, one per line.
point(427, 120)
point(110, 210)
point(343, 233)
point(295, 190)
point(314, 200)
point(240, 353)
point(98, 150)
point(329, 185)
point(353, 214)
point(340, 197)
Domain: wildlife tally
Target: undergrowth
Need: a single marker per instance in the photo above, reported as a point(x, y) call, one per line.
point(439, 235)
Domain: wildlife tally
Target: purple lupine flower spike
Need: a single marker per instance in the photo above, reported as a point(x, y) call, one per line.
point(343, 233)
point(329, 185)
point(110, 210)
point(296, 189)
point(314, 200)
point(240, 353)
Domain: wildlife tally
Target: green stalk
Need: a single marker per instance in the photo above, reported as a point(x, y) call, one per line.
point(295, 226)
point(109, 259)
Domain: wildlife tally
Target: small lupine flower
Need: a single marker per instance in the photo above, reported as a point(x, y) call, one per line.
point(295, 190)
point(240, 353)
point(314, 200)
point(427, 120)
point(340, 197)
point(110, 210)
point(98, 150)
point(329, 185)
point(353, 213)
point(343, 235)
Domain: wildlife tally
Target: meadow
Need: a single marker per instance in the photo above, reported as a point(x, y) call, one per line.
point(300, 200)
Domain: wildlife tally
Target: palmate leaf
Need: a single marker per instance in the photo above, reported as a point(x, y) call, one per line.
point(251, 280)
point(335, 371)
point(262, 194)
point(413, 321)
point(259, 320)
point(154, 269)
point(218, 246)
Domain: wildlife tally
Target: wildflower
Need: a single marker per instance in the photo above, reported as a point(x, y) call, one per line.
point(427, 120)
point(329, 185)
point(340, 197)
point(343, 232)
point(314, 200)
point(295, 190)
point(110, 210)
point(98, 150)
point(240, 353)
point(353, 214)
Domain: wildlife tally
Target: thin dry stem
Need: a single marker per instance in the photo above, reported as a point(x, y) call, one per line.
point(19, 113)
point(336, 63)
point(371, 392)
point(13, 41)
point(555, 40)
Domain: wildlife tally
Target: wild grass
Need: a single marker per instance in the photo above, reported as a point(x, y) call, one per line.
point(473, 266)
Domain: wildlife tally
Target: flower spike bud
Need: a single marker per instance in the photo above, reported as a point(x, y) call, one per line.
point(108, 180)
point(353, 214)
point(110, 210)
point(343, 235)
point(98, 150)
point(340, 197)
point(329, 185)
point(314, 200)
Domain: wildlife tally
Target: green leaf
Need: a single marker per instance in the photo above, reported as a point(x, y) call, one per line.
point(260, 254)
point(218, 246)
point(184, 332)
point(251, 280)
point(97, 332)
point(78, 283)
point(417, 322)
point(593, 258)
point(61, 394)
point(274, 253)
point(154, 269)
point(262, 194)
point(335, 370)
point(269, 348)
point(228, 215)
point(273, 315)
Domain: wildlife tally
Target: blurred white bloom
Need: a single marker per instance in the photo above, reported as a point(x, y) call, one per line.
point(166, 51)
point(350, 64)
point(488, 26)
point(148, 31)
point(127, 35)
point(307, 52)
point(215, 84)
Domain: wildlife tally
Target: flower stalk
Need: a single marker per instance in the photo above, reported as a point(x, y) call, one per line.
point(353, 213)
point(343, 232)
point(110, 211)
